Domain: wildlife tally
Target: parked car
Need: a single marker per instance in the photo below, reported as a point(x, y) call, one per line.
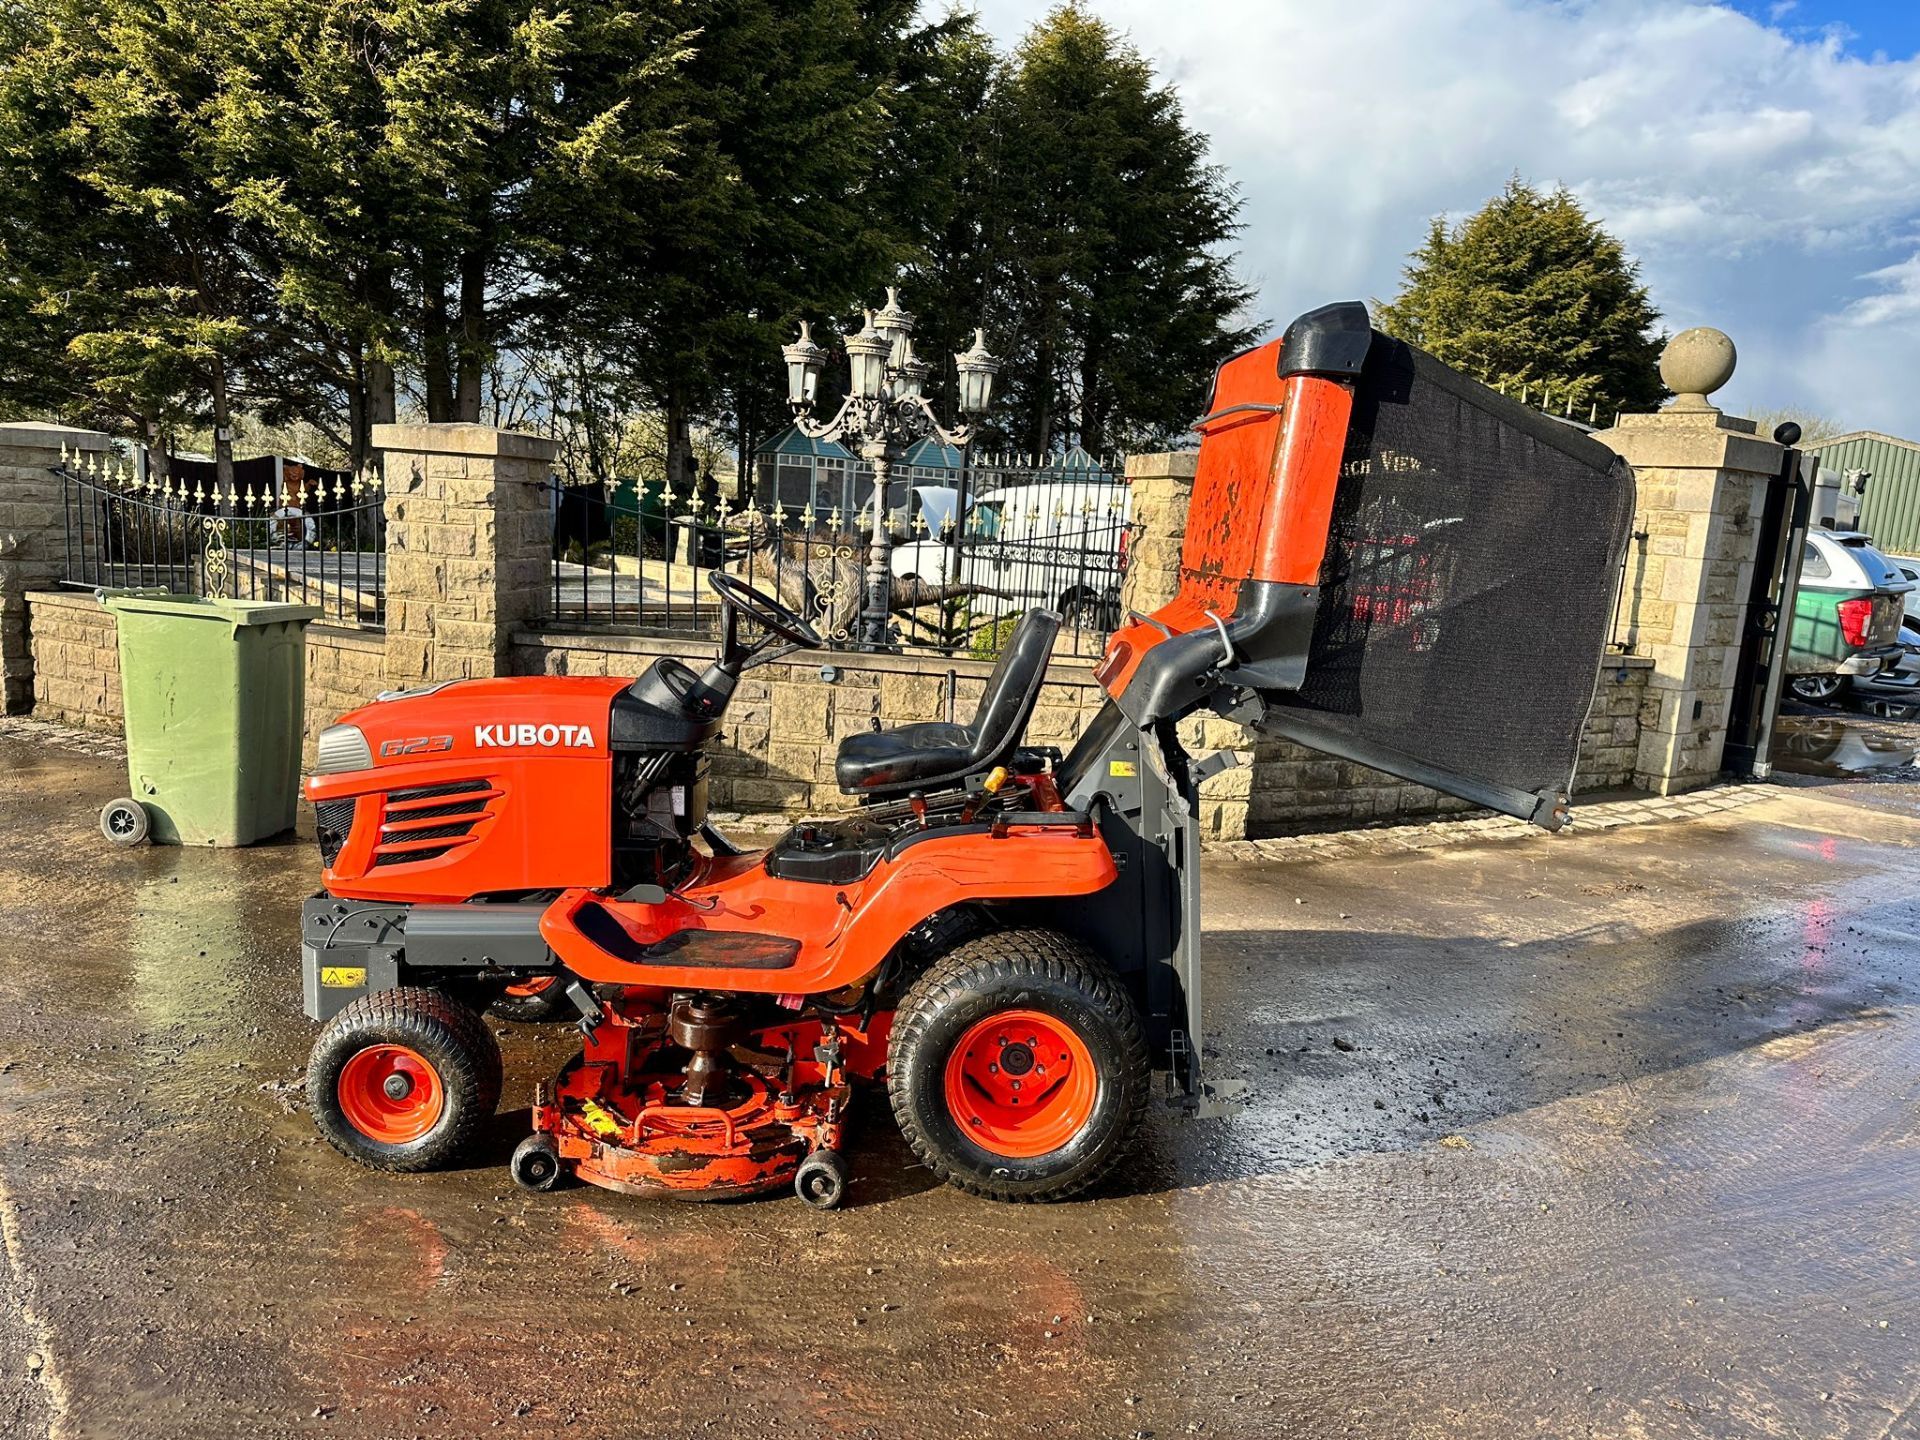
point(1061, 544)
point(1909, 569)
point(1895, 691)
point(1846, 623)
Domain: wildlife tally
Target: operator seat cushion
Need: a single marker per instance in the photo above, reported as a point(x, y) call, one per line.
point(933, 753)
point(904, 753)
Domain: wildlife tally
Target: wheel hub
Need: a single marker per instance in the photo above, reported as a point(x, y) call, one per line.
point(391, 1094)
point(1021, 1083)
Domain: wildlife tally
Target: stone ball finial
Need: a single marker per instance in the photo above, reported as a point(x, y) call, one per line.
point(1696, 363)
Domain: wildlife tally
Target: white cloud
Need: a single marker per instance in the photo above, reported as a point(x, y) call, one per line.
point(1897, 300)
point(1770, 184)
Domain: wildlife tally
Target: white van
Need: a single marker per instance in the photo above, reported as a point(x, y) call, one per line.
point(1061, 544)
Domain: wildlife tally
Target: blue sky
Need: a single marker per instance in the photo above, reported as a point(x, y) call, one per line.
point(1869, 27)
point(1761, 159)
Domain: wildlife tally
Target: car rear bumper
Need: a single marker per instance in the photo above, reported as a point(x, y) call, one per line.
point(1867, 662)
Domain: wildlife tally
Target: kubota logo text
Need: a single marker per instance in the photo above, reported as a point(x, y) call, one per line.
point(575, 737)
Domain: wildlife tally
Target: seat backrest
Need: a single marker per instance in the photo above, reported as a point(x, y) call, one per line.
point(1014, 688)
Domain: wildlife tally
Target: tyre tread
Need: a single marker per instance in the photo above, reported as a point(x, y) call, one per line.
point(424, 1018)
point(1026, 953)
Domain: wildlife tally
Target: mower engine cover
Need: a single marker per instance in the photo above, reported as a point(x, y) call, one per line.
point(1406, 568)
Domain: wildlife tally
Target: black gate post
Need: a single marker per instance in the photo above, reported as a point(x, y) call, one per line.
point(1768, 637)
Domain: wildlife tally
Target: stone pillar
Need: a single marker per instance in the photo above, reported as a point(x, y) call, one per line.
point(32, 537)
point(1162, 485)
point(469, 546)
point(1701, 479)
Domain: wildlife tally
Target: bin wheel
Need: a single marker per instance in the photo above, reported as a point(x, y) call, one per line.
point(1017, 1067)
point(821, 1180)
point(536, 1163)
point(124, 822)
point(404, 1079)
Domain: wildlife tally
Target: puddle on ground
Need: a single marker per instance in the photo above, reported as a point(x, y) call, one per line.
point(1837, 747)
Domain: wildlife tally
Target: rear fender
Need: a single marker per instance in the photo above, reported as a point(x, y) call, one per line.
point(834, 935)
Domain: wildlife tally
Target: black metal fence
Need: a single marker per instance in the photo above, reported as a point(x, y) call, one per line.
point(308, 542)
point(957, 583)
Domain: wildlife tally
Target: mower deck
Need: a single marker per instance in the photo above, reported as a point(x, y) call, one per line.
point(692, 1104)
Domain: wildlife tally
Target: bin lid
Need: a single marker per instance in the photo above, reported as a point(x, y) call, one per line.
point(234, 612)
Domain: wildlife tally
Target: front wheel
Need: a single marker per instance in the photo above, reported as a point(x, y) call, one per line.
point(403, 1079)
point(1017, 1067)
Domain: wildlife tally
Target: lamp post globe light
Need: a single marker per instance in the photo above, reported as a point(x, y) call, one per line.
point(885, 411)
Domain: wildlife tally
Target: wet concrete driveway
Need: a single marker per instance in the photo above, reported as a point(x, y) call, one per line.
point(1608, 1135)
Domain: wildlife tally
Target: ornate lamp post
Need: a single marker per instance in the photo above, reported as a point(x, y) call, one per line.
point(885, 412)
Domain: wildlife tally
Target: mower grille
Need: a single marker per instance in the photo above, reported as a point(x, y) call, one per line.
point(408, 857)
point(468, 803)
point(428, 792)
point(1468, 586)
point(333, 820)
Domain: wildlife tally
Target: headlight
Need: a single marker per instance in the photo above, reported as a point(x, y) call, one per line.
point(342, 747)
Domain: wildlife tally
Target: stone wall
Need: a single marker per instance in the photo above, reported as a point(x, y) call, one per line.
point(76, 662)
point(76, 665)
point(32, 538)
point(467, 571)
point(345, 670)
point(786, 722)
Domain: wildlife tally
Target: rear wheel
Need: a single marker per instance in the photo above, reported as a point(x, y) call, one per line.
point(1017, 1067)
point(1819, 689)
point(403, 1079)
point(921, 947)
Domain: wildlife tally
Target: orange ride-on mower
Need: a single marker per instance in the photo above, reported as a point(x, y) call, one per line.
point(1383, 560)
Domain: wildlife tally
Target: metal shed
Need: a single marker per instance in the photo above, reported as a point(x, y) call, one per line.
point(1890, 506)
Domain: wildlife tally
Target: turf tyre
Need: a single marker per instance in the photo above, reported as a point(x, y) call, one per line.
point(1031, 970)
point(447, 1035)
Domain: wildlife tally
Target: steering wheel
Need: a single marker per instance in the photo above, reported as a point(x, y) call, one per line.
point(764, 610)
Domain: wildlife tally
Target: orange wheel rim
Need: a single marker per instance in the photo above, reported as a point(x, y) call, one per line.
point(538, 985)
point(1021, 1084)
point(391, 1093)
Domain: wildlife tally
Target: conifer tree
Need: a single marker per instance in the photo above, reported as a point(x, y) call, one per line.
point(1119, 293)
point(1530, 293)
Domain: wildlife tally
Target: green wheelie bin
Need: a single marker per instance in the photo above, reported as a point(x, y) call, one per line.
point(213, 692)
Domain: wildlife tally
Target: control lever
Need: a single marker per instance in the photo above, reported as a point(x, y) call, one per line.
point(988, 789)
point(918, 802)
point(1226, 642)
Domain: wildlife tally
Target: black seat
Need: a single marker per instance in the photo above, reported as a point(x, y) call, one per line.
point(933, 754)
